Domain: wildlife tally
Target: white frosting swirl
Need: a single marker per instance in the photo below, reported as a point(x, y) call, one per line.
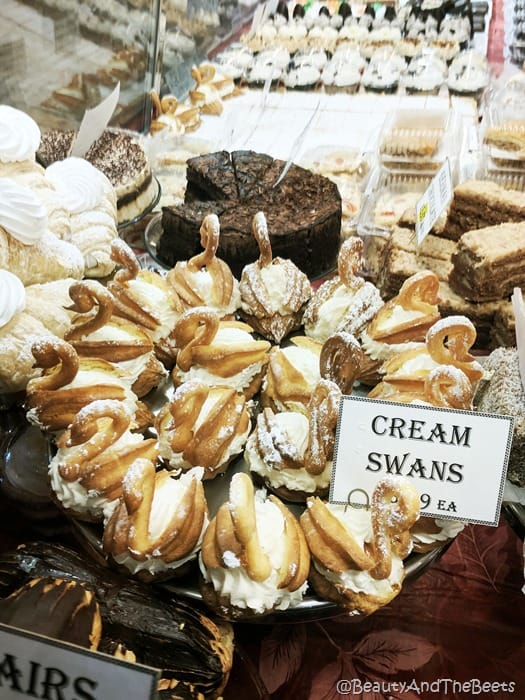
point(19, 135)
point(22, 214)
point(78, 183)
point(12, 297)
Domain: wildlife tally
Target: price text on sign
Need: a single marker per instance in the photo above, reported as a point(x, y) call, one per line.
point(434, 201)
point(32, 666)
point(456, 459)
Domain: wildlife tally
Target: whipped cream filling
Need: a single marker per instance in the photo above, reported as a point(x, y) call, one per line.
point(78, 183)
point(227, 336)
point(12, 297)
point(22, 214)
point(448, 529)
point(166, 501)
point(232, 581)
point(303, 361)
point(153, 299)
point(345, 310)
point(383, 351)
point(296, 427)
point(203, 284)
point(276, 281)
point(19, 135)
point(72, 494)
point(422, 362)
point(176, 459)
point(132, 368)
point(358, 522)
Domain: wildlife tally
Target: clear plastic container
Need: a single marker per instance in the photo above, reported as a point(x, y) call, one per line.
point(420, 141)
point(503, 126)
point(469, 75)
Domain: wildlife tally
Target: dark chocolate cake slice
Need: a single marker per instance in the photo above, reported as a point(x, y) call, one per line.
point(250, 172)
point(210, 176)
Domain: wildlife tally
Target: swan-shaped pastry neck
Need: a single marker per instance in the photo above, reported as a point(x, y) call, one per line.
point(234, 531)
point(122, 254)
point(420, 292)
point(58, 356)
point(260, 232)
point(323, 410)
point(86, 296)
point(209, 232)
point(448, 386)
point(449, 341)
point(340, 360)
point(196, 327)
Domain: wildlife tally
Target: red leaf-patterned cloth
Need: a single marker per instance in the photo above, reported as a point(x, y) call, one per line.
point(456, 632)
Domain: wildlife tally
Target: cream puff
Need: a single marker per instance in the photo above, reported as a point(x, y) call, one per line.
point(358, 553)
point(202, 425)
point(93, 456)
point(254, 559)
point(156, 526)
point(274, 291)
point(218, 352)
point(291, 453)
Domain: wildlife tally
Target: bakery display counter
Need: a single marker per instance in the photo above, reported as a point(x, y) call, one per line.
point(59, 58)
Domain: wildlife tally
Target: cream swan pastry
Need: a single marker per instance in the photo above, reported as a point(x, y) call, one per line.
point(402, 323)
point(292, 373)
point(158, 522)
point(447, 342)
point(358, 553)
point(174, 116)
point(274, 291)
point(254, 557)
point(291, 453)
point(218, 352)
point(93, 457)
point(202, 425)
point(345, 302)
point(205, 279)
point(70, 382)
point(96, 332)
point(145, 297)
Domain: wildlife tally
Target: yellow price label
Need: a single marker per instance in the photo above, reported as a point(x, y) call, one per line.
point(422, 212)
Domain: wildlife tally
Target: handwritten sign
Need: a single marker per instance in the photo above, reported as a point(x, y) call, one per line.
point(456, 459)
point(33, 666)
point(434, 201)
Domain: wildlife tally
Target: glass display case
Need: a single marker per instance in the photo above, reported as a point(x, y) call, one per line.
point(59, 57)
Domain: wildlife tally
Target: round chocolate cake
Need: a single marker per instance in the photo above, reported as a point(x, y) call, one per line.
point(303, 212)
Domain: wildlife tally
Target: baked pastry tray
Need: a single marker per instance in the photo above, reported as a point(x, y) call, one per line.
point(22, 444)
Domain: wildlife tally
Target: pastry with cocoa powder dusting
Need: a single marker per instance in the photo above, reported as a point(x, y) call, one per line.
point(205, 279)
point(345, 302)
point(120, 156)
point(204, 426)
point(274, 291)
point(292, 453)
point(156, 526)
point(254, 557)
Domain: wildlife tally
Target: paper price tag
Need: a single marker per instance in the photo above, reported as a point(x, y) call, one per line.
point(456, 459)
point(434, 201)
point(94, 122)
point(33, 666)
point(519, 315)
